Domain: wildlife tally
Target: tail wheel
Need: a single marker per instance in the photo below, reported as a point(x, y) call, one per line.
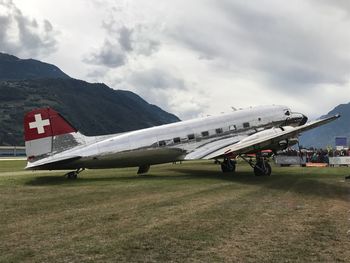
point(72, 175)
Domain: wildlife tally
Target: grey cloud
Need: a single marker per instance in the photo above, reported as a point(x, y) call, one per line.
point(125, 38)
point(121, 42)
point(289, 49)
point(160, 87)
point(24, 36)
point(156, 79)
point(4, 23)
point(96, 75)
point(147, 48)
point(145, 40)
point(341, 5)
point(48, 26)
point(290, 52)
point(120, 34)
point(109, 55)
point(113, 52)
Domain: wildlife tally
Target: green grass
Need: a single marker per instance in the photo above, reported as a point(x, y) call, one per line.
point(177, 213)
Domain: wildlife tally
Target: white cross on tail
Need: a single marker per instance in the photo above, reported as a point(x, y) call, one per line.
point(39, 124)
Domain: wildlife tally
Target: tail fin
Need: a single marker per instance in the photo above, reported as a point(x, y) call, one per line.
point(46, 132)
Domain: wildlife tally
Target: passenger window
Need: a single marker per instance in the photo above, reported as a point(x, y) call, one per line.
point(232, 128)
point(246, 125)
point(218, 131)
point(190, 137)
point(205, 133)
point(161, 143)
point(177, 140)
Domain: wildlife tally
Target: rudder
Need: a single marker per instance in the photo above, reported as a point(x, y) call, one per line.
point(46, 131)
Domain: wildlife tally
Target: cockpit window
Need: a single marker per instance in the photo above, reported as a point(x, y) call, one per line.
point(287, 112)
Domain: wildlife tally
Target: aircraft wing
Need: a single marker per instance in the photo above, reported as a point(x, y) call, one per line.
point(209, 148)
point(259, 141)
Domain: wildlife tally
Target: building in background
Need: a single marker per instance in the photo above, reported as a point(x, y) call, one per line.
point(341, 143)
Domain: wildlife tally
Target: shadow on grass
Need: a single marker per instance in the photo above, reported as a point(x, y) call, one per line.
point(62, 180)
point(286, 182)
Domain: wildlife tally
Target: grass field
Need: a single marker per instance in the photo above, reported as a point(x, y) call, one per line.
point(177, 213)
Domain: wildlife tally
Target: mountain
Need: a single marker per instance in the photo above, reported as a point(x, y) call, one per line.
point(93, 108)
point(324, 136)
point(13, 68)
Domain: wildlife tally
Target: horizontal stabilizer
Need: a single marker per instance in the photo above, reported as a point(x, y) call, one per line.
point(52, 162)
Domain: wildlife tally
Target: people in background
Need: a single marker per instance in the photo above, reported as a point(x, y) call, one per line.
point(316, 155)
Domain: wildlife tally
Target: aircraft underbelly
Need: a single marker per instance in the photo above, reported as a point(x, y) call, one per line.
point(132, 158)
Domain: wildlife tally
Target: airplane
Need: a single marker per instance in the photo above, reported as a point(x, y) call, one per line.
point(52, 143)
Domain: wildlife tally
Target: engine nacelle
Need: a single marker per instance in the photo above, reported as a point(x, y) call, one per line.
point(274, 132)
point(288, 142)
point(269, 132)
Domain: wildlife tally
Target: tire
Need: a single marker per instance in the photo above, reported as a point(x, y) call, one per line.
point(228, 166)
point(223, 168)
point(257, 171)
point(72, 175)
point(268, 169)
point(260, 170)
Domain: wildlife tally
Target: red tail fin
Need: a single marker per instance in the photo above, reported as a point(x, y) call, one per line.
point(43, 133)
point(43, 123)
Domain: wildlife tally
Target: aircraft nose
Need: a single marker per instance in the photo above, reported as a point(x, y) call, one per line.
point(303, 120)
point(296, 119)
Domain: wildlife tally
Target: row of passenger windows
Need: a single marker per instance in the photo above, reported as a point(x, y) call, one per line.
point(191, 136)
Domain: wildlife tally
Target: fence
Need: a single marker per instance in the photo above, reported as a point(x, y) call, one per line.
point(12, 151)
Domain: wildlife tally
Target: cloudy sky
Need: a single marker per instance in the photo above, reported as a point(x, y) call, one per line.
point(196, 57)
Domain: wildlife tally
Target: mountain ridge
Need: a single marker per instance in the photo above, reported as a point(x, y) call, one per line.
point(14, 68)
point(93, 108)
point(324, 136)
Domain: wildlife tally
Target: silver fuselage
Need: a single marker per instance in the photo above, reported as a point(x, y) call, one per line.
point(172, 142)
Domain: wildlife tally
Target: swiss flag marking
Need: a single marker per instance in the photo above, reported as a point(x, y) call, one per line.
point(39, 124)
point(45, 122)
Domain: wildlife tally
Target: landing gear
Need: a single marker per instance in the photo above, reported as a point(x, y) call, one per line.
point(261, 166)
point(74, 174)
point(143, 169)
point(262, 169)
point(228, 166)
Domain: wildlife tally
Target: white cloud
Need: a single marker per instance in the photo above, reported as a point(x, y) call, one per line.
point(23, 35)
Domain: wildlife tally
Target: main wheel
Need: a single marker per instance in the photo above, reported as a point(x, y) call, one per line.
point(262, 169)
point(228, 166)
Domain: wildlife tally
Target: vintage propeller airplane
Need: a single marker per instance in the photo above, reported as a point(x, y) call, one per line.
point(52, 143)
